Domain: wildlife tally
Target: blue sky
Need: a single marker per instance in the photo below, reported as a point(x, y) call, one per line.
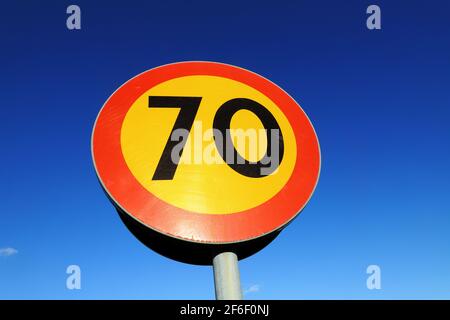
point(379, 101)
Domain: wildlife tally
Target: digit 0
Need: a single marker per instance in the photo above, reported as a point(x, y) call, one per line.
point(222, 122)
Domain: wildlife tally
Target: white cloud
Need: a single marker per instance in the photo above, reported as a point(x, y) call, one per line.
point(6, 252)
point(252, 288)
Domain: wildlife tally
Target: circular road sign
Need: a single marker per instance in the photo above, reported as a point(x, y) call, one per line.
point(207, 153)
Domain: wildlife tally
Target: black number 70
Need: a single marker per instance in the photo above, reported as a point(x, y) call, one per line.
point(188, 106)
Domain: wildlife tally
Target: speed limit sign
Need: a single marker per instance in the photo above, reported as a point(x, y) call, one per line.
point(205, 154)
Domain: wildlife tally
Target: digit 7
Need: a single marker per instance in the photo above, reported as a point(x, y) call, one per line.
point(188, 110)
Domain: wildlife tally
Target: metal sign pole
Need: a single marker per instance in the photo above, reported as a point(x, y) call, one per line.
point(226, 277)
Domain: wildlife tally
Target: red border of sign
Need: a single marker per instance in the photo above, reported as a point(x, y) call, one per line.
point(134, 199)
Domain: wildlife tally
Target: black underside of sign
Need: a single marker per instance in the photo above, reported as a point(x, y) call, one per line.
point(191, 252)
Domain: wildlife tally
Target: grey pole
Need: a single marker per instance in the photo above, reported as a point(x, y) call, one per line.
point(226, 277)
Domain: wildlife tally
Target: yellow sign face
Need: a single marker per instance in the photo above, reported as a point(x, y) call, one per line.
point(203, 182)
